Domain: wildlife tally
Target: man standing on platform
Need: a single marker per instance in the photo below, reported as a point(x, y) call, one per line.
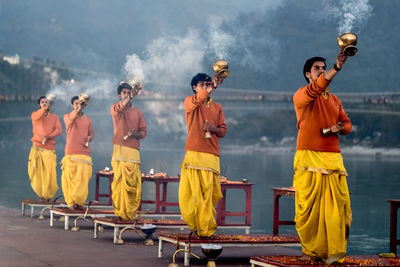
point(77, 163)
point(129, 128)
point(323, 212)
point(199, 187)
point(42, 157)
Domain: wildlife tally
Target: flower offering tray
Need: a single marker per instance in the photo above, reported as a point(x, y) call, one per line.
point(225, 240)
point(296, 261)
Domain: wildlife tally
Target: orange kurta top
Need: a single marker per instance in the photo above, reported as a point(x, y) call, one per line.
point(197, 112)
point(125, 119)
point(314, 112)
point(78, 129)
point(42, 126)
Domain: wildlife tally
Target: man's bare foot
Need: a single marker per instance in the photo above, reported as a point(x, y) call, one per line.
point(78, 207)
point(338, 257)
point(305, 257)
point(207, 237)
point(119, 219)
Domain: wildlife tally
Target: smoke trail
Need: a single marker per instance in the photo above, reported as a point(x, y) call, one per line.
point(134, 67)
point(97, 89)
point(169, 60)
point(351, 14)
point(174, 60)
point(258, 52)
point(219, 41)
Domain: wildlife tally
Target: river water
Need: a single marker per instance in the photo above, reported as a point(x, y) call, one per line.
point(371, 180)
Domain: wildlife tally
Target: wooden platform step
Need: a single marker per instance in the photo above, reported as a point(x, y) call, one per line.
point(296, 261)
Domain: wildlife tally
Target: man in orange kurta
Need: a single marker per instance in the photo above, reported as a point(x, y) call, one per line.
point(323, 213)
point(129, 128)
point(77, 163)
point(199, 187)
point(42, 157)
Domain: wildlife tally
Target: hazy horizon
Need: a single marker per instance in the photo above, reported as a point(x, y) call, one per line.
point(265, 42)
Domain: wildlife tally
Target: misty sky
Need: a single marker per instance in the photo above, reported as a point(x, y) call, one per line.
point(90, 32)
point(263, 40)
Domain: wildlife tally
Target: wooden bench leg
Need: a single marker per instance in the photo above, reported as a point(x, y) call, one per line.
point(160, 248)
point(276, 214)
point(51, 218)
point(95, 230)
point(393, 227)
point(66, 223)
point(115, 234)
point(187, 257)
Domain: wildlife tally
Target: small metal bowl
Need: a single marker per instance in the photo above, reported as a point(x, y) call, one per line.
point(245, 181)
point(211, 251)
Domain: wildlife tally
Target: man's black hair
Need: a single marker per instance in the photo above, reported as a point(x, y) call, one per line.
point(123, 85)
point(40, 98)
point(199, 77)
point(73, 99)
point(309, 63)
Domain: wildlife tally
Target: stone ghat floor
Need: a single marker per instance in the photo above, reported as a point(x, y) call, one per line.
point(31, 242)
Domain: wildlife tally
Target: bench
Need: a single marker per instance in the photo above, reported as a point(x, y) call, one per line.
point(225, 241)
point(278, 192)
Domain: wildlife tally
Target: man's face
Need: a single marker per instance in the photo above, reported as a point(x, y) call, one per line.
point(317, 69)
point(44, 103)
point(76, 105)
point(124, 94)
point(202, 85)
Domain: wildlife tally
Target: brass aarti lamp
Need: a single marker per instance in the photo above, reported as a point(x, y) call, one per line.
point(84, 99)
point(347, 43)
point(148, 230)
point(186, 250)
point(221, 68)
point(76, 228)
point(136, 84)
point(51, 98)
point(212, 252)
point(120, 241)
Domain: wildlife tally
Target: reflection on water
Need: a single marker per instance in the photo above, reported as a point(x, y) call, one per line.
point(370, 181)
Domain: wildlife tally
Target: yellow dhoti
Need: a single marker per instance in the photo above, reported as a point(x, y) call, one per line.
point(127, 184)
point(76, 173)
point(323, 212)
point(42, 172)
point(199, 191)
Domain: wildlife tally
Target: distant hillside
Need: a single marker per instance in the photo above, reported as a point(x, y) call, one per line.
point(33, 77)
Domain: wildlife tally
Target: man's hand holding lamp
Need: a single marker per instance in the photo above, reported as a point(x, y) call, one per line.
point(129, 134)
point(88, 140)
point(334, 129)
point(44, 140)
point(133, 133)
point(208, 127)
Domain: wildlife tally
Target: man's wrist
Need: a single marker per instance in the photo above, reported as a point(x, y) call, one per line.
point(336, 67)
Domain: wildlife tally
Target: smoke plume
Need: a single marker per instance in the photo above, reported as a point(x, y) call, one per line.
point(169, 60)
point(96, 88)
point(173, 60)
point(219, 41)
point(351, 14)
